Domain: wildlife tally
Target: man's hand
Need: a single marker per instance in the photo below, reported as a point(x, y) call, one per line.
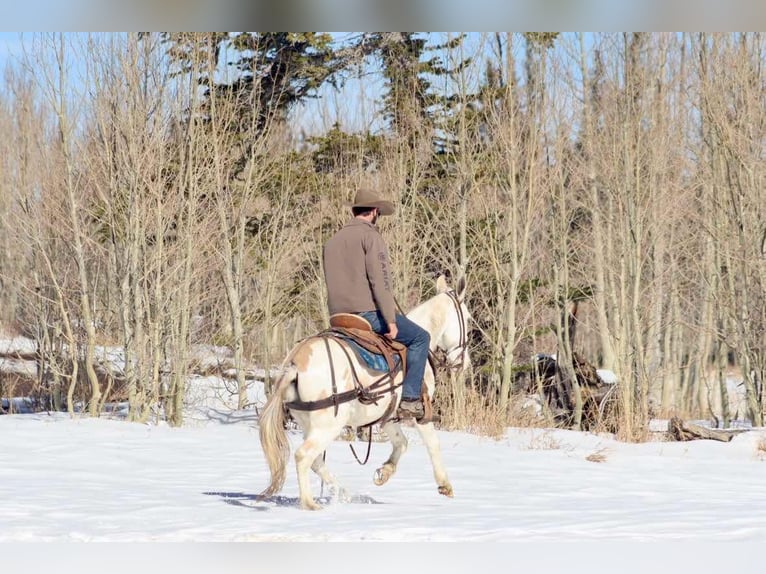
point(392, 331)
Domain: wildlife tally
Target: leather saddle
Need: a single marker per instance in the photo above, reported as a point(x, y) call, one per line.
point(359, 331)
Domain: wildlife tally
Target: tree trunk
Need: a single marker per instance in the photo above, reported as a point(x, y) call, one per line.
point(64, 129)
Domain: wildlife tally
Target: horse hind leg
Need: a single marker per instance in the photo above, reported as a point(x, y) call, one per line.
point(315, 442)
point(399, 442)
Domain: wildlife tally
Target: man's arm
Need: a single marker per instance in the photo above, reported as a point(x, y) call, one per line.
point(379, 278)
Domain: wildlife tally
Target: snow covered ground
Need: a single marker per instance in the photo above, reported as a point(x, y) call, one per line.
point(536, 500)
point(107, 480)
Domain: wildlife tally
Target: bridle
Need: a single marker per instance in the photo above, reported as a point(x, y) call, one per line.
point(457, 364)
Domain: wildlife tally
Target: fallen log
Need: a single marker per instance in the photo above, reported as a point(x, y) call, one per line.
point(681, 430)
point(553, 384)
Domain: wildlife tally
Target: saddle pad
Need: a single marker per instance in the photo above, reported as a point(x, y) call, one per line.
point(374, 361)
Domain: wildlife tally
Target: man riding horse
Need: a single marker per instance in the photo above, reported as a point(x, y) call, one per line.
point(358, 278)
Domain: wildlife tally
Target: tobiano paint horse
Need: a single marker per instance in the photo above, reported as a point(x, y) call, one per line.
point(307, 376)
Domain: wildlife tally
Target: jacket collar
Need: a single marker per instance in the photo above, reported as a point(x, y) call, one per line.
point(355, 221)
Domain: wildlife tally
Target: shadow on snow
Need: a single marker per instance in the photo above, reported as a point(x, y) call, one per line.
point(246, 500)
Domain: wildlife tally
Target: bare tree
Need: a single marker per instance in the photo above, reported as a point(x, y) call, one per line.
point(731, 104)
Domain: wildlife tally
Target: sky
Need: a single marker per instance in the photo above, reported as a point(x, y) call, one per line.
point(356, 105)
point(353, 105)
point(10, 44)
point(534, 500)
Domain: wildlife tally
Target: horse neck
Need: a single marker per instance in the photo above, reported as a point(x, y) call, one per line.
point(432, 316)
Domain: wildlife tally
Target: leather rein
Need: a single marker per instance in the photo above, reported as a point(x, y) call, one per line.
point(461, 346)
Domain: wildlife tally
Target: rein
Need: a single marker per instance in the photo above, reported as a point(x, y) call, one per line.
point(369, 445)
point(365, 397)
point(436, 362)
point(463, 337)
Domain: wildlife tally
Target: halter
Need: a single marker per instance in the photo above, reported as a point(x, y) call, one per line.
point(462, 339)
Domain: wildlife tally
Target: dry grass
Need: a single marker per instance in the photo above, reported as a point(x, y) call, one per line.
point(597, 456)
point(545, 441)
point(527, 412)
point(760, 448)
point(473, 413)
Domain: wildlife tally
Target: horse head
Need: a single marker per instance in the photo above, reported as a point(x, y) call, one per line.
point(453, 339)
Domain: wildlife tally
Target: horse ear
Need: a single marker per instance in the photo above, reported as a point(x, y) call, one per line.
point(441, 284)
point(461, 286)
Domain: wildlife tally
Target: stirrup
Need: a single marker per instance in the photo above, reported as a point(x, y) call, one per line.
point(417, 410)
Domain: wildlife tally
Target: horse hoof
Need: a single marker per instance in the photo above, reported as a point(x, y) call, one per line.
point(446, 490)
point(381, 476)
point(310, 505)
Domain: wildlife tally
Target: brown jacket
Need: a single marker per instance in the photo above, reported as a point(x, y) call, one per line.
point(357, 272)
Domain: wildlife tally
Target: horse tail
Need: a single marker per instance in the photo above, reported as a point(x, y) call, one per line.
point(274, 440)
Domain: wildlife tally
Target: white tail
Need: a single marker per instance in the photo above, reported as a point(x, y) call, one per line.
point(274, 441)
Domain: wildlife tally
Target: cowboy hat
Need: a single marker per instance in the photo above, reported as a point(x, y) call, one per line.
point(368, 198)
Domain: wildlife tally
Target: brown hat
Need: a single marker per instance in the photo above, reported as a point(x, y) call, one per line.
point(368, 198)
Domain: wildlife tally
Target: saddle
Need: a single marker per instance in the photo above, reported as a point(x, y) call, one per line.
point(359, 330)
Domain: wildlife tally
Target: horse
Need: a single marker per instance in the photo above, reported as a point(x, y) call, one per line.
point(307, 375)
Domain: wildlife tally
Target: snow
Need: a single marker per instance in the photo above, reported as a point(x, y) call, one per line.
point(563, 500)
point(94, 480)
point(17, 345)
point(118, 481)
point(608, 377)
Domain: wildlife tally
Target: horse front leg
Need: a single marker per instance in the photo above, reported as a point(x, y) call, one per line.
point(428, 433)
point(399, 443)
point(320, 468)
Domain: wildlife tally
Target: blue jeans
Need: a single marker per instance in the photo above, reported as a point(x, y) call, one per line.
point(416, 339)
